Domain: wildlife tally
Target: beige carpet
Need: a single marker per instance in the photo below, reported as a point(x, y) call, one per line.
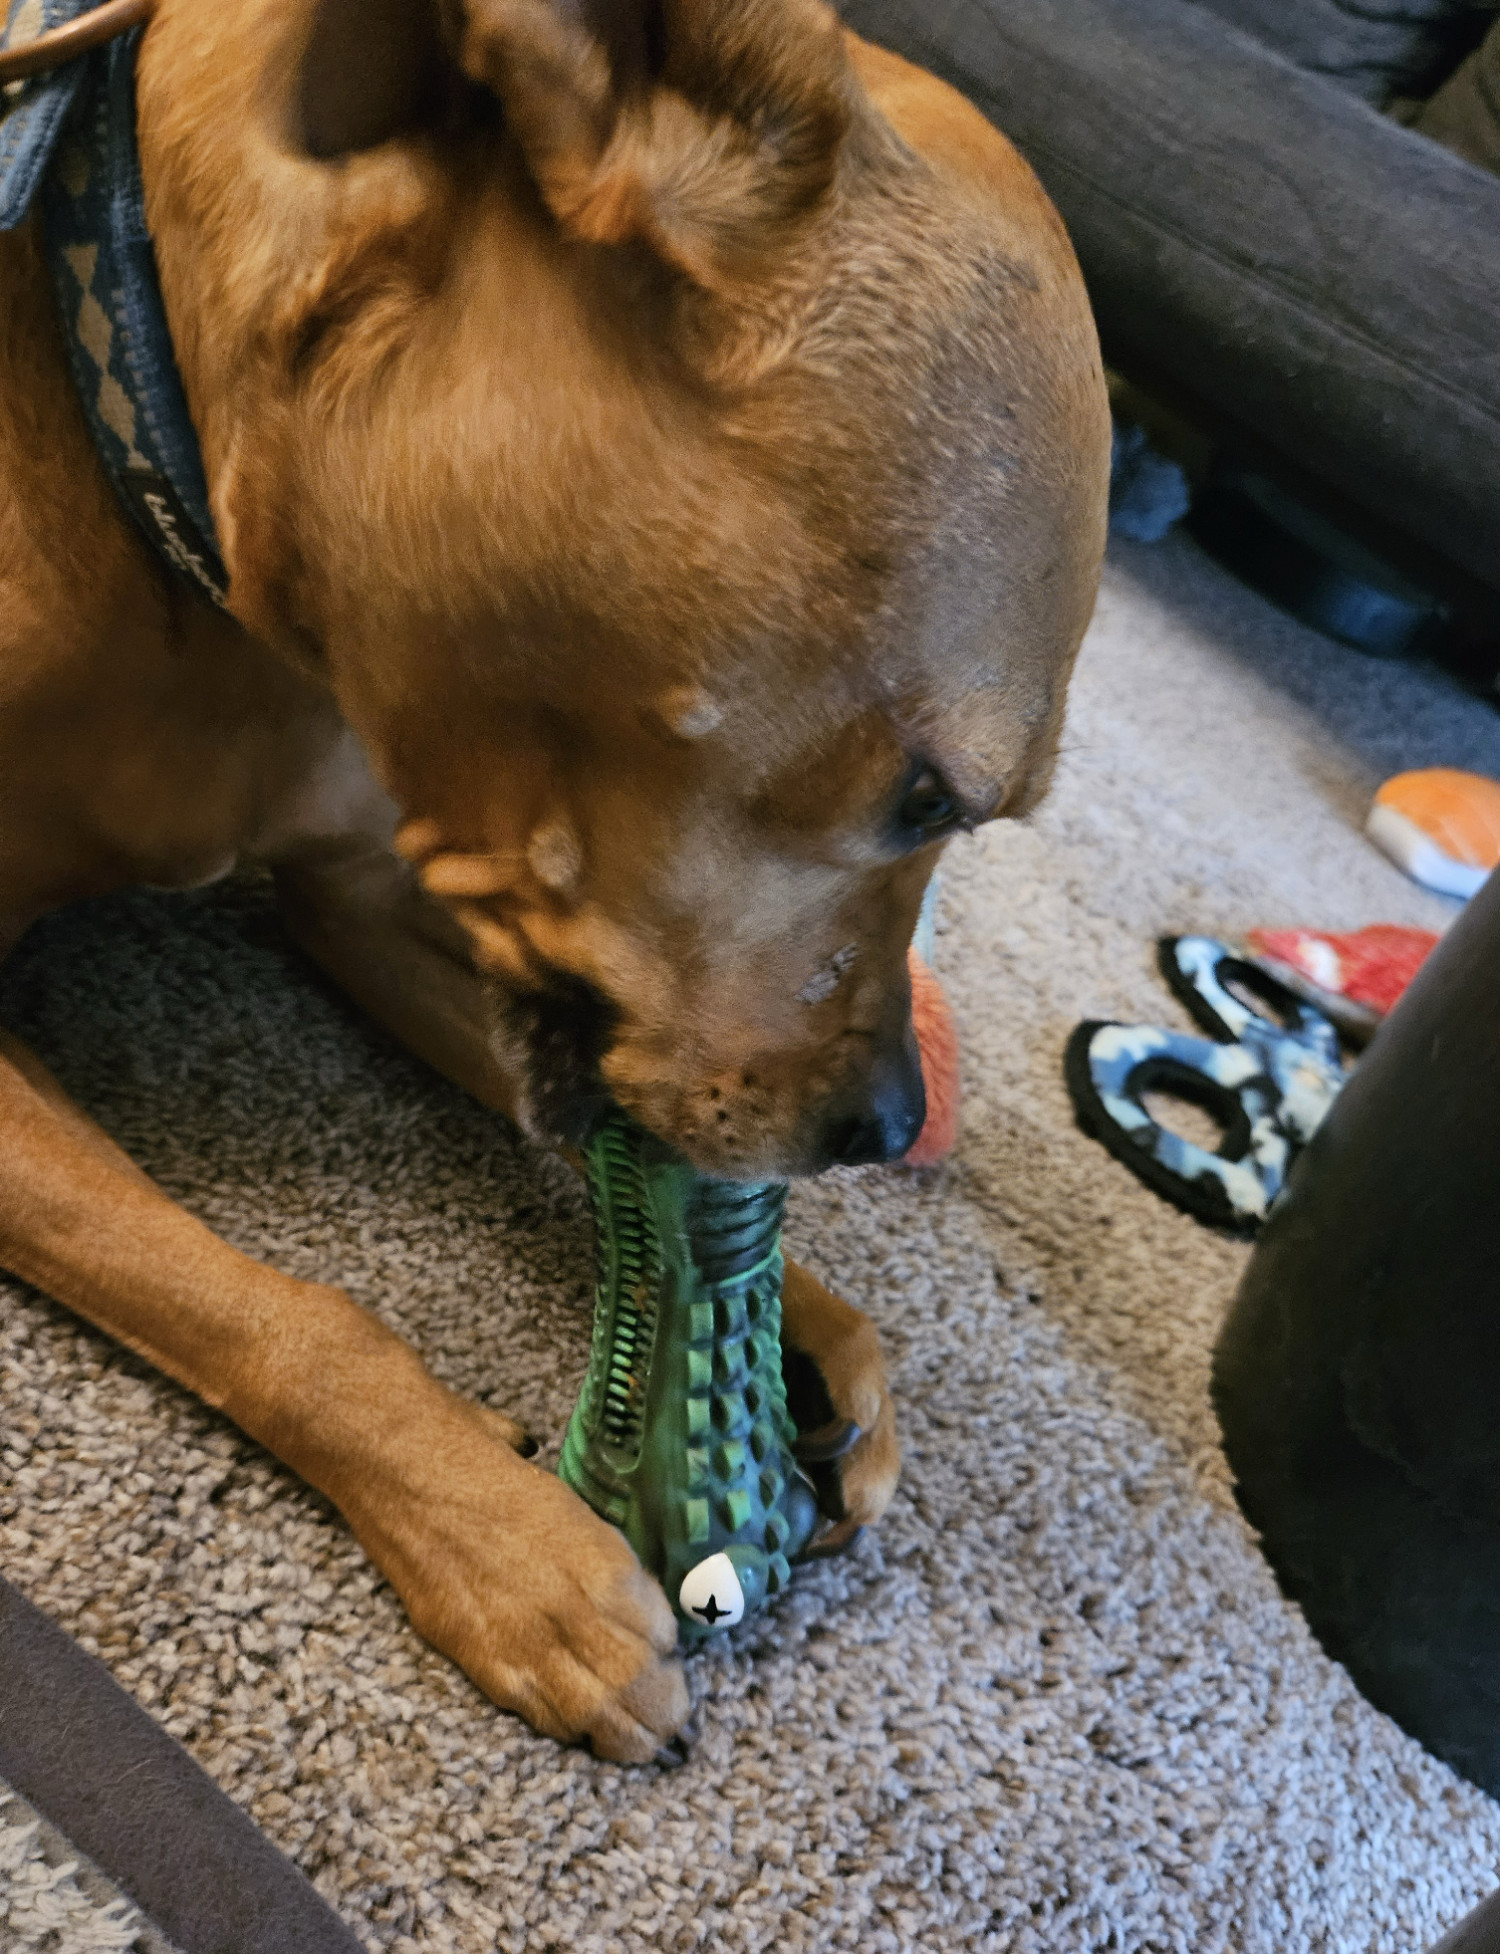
point(1058, 1704)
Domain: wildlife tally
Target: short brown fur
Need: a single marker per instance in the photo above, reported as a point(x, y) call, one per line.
point(622, 494)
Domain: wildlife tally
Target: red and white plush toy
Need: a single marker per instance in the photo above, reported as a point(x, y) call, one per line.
point(1354, 978)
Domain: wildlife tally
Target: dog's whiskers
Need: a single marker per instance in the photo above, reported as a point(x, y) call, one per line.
point(499, 949)
point(469, 875)
point(417, 838)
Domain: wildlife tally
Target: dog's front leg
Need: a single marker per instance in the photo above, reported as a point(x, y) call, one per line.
point(836, 1377)
point(499, 1565)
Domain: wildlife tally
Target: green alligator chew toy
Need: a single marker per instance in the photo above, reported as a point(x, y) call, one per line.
point(681, 1436)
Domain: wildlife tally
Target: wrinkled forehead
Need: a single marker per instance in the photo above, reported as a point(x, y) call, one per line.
point(914, 513)
point(969, 566)
point(963, 663)
point(978, 726)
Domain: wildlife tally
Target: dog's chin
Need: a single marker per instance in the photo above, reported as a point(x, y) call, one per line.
point(728, 1152)
point(736, 1160)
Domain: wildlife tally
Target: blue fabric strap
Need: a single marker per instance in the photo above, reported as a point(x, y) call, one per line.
point(71, 136)
point(33, 111)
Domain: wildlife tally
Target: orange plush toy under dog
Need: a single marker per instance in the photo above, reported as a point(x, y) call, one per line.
point(937, 1039)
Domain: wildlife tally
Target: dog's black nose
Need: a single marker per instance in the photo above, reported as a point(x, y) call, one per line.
point(881, 1121)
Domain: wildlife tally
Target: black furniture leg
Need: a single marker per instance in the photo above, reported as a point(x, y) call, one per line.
point(1357, 1378)
point(1477, 1933)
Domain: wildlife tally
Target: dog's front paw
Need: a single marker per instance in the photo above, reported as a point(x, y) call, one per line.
point(543, 1604)
point(839, 1398)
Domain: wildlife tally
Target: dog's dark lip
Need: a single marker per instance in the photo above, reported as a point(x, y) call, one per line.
point(561, 1031)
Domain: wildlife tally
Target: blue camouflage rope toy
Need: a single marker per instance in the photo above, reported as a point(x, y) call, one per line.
point(1268, 1079)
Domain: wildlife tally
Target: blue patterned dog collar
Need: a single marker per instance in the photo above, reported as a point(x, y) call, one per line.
point(67, 138)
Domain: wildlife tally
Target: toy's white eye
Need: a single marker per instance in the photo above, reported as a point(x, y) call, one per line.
point(711, 1593)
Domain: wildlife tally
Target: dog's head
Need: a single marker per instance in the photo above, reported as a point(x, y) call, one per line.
point(678, 436)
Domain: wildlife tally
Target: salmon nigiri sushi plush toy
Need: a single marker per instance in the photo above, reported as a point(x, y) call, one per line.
point(1441, 826)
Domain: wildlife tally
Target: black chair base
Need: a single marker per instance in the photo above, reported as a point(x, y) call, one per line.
point(1357, 1377)
point(1307, 567)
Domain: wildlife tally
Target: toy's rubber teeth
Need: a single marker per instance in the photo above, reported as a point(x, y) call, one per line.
point(632, 1283)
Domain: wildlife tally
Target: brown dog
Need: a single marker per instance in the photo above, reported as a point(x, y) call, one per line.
point(660, 464)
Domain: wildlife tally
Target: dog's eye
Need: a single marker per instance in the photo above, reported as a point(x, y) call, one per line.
point(927, 807)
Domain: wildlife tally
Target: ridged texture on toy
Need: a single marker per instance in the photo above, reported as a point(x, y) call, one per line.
point(681, 1435)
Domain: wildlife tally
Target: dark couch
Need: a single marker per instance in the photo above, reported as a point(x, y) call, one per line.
point(1312, 279)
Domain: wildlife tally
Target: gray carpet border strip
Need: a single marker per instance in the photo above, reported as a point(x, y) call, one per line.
point(1477, 1933)
point(52, 1849)
point(131, 1799)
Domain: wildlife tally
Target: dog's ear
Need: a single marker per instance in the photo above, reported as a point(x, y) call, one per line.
point(701, 128)
point(375, 69)
point(371, 69)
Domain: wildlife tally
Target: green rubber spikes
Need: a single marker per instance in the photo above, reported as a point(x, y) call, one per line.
point(681, 1435)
